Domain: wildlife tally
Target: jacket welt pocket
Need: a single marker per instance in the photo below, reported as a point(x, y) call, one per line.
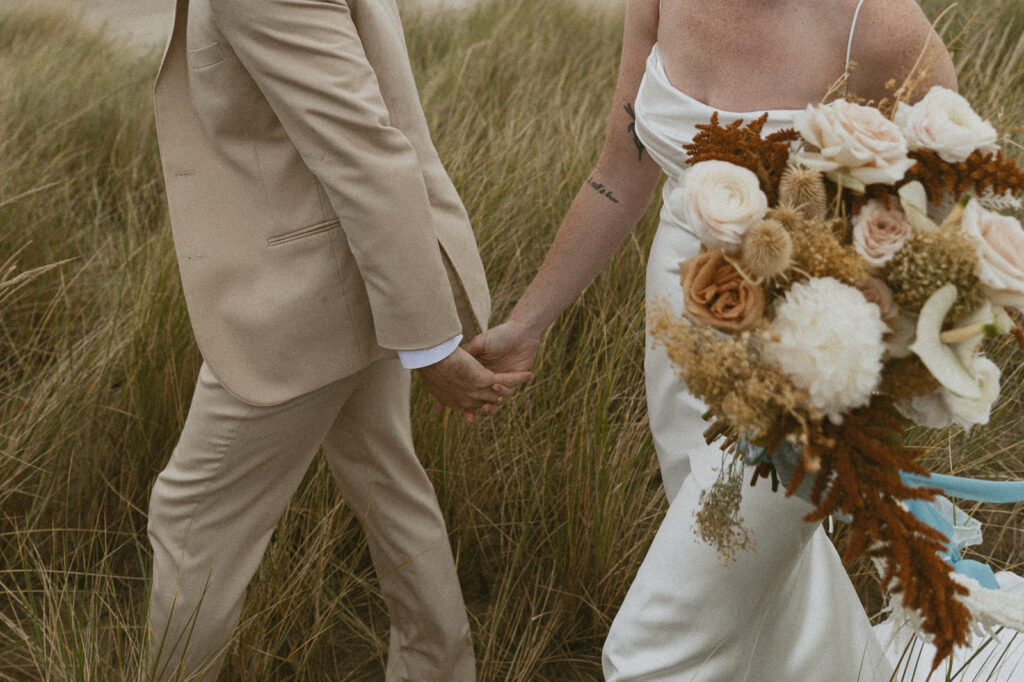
point(202, 57)
point(304, 232)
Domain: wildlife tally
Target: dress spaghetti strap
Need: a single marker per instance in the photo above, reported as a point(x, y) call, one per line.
point(849, 42)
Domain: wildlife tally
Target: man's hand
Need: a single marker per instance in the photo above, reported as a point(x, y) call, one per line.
point(460, 381)
point(509, 347)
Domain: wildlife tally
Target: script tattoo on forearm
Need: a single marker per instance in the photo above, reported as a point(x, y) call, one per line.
point(631, 129)
point(602, 190)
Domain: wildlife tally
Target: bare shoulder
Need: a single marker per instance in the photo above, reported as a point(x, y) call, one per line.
point(641, 32)
point(642, 17)
point(894, 39)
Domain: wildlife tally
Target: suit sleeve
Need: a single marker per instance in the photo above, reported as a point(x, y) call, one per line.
point(307, 59)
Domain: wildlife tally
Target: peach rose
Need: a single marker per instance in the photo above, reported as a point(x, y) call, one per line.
point(1000, 241)
point(879, 232)
point(719, 201)
point(854, 140)
point(717, 295)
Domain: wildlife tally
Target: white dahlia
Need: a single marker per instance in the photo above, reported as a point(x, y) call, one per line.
point(829, 343)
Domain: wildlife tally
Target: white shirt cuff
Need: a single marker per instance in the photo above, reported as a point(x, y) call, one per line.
point(415, 359)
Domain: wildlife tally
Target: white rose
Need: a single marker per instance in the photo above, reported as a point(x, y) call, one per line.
point(854, 140)
point(944, 122)
point(1000, 241)
point(879, 232)
point(719, 201)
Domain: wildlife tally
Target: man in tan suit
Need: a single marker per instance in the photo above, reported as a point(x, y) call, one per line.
point(323, 253)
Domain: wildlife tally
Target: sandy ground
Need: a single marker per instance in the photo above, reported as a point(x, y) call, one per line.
point(148, 22)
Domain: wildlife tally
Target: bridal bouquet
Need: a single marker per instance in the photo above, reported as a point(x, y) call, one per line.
point(850, 270)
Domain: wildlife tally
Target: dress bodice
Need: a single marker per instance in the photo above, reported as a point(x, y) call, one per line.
point(667, 118)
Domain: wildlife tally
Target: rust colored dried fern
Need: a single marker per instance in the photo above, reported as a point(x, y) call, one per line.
point(980, 172)
point(859, 463)
point(881, 193)
point(743, 145)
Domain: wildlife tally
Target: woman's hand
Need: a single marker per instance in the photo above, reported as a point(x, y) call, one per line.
point(509, 347)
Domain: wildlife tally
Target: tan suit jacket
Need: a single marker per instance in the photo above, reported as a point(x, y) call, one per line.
point(312, 218)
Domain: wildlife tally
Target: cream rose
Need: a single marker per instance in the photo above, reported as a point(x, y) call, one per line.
point(853, 140)
point(1000, 241)
point(879, 232)
point(944, 122)
point(719, 201)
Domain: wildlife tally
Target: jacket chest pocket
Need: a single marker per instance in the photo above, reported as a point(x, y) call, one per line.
point(304, 232)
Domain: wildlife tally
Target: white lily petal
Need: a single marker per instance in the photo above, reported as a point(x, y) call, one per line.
point(914, 201)
point(940, 359)
point(1004, 324)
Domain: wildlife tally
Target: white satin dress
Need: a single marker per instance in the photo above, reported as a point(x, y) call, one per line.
point(784, 611)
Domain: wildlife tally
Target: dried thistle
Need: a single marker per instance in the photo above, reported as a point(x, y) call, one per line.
point(929, 261)
point(787, 217)
point(767, 249)
point(743, 145)
point(803, 190)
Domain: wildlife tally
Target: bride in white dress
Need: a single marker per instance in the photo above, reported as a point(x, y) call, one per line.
point(786, 610)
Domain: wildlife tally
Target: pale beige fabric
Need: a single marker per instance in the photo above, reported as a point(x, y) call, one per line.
point(311, 214)
point(317, 233)
point(236, 466)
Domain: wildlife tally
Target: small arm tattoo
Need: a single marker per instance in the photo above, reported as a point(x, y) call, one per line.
point(631, 129)
point(602, 190)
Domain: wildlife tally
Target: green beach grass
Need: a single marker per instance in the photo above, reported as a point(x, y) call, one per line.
point(551, 504)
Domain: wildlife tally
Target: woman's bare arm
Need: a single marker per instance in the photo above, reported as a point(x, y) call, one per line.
point(606, 208)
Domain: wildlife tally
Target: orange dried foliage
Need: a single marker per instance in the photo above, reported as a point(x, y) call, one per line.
point(743, 145)
point(860, 461)
point(980, 172)
point(880, 193)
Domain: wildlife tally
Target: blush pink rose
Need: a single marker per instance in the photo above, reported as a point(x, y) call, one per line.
point(719, 201)
point(1000, 241)
point(879, 232)
point(853, 139)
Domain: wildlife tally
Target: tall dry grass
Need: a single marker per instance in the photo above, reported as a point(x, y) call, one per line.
point(551, 504)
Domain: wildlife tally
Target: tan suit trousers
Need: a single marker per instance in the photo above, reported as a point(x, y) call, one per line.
point(230, 478)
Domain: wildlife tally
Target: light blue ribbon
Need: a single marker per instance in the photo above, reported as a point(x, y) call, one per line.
point(1000, 492)
point(787, 455)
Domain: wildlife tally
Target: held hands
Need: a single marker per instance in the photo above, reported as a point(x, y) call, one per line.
point(509, 347)
point(460, 381)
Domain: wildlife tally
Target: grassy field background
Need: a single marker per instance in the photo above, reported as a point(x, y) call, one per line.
point(551, 504)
